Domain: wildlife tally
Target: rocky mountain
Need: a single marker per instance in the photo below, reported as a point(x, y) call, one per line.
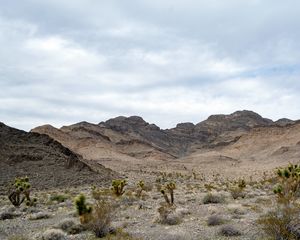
point(45, 161)
point(133, 137)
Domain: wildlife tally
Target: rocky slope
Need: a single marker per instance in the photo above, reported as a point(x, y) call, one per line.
point(45, 161)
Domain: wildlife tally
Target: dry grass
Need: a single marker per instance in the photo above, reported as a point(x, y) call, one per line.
point(100, 219)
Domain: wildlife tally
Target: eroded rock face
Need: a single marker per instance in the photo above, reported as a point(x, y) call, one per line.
point(45, 161)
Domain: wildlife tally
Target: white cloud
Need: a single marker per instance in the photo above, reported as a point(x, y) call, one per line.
point(63, 62)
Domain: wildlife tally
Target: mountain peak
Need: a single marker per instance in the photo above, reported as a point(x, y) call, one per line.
point(121, 121)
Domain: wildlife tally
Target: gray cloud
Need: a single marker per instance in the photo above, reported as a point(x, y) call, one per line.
point(168, 61)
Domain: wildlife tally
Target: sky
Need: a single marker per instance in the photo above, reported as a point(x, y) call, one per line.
point(171, 61)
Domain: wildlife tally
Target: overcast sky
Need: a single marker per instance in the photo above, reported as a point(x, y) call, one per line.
point(170, 61)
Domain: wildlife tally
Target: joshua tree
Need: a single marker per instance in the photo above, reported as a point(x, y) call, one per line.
point(21, 191)
point(118, 186)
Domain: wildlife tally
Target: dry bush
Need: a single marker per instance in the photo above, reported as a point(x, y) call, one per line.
point(282, 223)
point(100, 219)
point(229, 231)
point(215, 220)
point(213, 198)
point(237, 192)
point(168, 215)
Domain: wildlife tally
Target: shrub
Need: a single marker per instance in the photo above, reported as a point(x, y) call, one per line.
point(283, 221)
point(168, 215)
point(213, 198)
point(100, 219)
point(70, 226)
point(215, 220)
point(237, 192)
point(229, 231)
point(58, 198)
point(280, 223)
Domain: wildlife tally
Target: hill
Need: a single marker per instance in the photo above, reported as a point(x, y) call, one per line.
point(45, 161)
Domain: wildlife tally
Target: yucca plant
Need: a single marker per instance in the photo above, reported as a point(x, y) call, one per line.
point(83, 209)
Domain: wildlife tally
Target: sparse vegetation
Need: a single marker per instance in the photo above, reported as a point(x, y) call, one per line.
point(83, 209)
point(283, 221)
point(118, 186)
point(215, 220)
point(58, 198)
point(213, 198)
point(229, 231)
point(169, 187)
point(20, 191)
point(100, 219)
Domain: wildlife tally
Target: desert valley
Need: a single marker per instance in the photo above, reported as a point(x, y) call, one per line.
point(129, 179)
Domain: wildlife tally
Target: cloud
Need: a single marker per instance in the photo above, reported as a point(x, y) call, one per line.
point(170, 62)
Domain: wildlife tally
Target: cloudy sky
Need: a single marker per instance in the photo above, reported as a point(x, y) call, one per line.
point(65, 61)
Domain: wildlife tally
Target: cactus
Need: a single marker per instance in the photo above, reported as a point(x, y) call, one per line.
point(21, 191)
point(83, 209)
point(118, 186)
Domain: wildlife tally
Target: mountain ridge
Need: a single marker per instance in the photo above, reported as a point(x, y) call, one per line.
point(133, 136)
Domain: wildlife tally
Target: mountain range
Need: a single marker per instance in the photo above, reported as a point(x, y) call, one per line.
point(74, 154)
